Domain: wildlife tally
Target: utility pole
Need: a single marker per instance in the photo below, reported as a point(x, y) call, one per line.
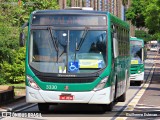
point(98, 4)
point(72, 3)
point(91, 3)
point(103, 5)
point(62, 3)
point(95, 4)
point(84, 3)
point(80, 3)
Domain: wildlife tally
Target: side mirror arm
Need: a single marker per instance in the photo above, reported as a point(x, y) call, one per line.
point(22, 35)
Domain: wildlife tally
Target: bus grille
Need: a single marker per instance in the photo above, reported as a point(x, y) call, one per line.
point(67, 79)
point(134, 68)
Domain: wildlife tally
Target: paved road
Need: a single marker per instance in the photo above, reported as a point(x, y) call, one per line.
point(150, 101)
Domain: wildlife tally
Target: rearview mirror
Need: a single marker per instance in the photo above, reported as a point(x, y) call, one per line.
point(115, 45)
point(21, 39)
point(22, 35)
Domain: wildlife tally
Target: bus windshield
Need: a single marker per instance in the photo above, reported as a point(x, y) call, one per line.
point(136, 53)
point(154, 45)
point(55, 51)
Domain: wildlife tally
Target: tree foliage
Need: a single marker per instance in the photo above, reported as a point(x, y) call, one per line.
point(134, 13)
point(152, 15)
point(13, 15)
point(144, 35)
point(145, 13)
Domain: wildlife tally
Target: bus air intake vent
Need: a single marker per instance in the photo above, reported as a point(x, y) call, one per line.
point(67, 80)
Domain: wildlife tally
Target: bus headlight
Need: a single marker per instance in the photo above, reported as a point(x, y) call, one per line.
point(101, 84)
point(32, 83)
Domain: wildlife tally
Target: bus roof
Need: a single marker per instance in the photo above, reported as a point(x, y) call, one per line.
point(113, 18)
point(118, 21)
point(68, 11)
point(135, 38)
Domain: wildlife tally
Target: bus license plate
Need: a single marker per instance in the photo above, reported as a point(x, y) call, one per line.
point(66, 97)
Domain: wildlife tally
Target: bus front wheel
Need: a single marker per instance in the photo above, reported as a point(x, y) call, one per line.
point(107, 107)
point(138, 83)
point(122, 98)
point(43, 107)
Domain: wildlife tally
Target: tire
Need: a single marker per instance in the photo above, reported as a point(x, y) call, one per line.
point(122, 98)
point(43, 107)
point(138, 83)
point(115, 94)
point(107, 107)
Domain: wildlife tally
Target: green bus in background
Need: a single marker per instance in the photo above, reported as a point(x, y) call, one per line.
point(137, 60)
point(76, 56)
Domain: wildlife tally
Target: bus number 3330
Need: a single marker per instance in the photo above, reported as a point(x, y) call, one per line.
point(51, 87)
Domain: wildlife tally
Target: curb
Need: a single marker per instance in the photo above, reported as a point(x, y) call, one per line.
point(6, 108)
point(16, 107)
point(19, 98)
point(19, 107)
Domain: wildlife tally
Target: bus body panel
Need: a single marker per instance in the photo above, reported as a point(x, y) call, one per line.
point(137, 77)
point(117, 68)
point(121, 64)
point(90, 97)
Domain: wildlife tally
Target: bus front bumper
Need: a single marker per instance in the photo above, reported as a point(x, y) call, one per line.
point(89, 97)
point(137, 77)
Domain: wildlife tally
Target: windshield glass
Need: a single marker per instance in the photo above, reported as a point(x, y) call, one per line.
point(136, 54)
point(89, 58)
point(154, 45)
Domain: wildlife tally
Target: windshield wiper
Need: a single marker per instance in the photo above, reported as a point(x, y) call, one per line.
point(53, 40)
point(82, 38)
point(75, 51)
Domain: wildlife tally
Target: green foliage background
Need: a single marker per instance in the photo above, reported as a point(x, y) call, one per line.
point(144, 35)
point(12, 17)
point(146, 14)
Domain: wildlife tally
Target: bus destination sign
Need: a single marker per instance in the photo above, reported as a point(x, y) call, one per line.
point(78, 20)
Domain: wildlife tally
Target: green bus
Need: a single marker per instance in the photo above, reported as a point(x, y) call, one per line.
point(137, 60)
point(76, 56)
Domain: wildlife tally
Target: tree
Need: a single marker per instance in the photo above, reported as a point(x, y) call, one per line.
point(143, 34)
point(135, 13)
point(152, 16)
point(13, 15)
point(145, 13)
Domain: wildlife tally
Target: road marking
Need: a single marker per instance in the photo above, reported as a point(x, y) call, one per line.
point(26, 107)
point(134, 101)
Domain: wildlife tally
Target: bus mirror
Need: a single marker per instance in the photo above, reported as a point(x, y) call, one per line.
point(21, 39)
point(115, 47)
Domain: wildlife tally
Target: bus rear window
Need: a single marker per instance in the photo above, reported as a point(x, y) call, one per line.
point(69, 20)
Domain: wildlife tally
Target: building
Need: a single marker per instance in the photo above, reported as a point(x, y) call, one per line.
point(116, 7)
